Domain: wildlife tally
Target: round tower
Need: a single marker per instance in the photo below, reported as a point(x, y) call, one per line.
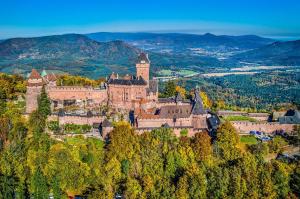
point(34, 88)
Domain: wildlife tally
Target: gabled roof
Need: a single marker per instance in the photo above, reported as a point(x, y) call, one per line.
point(34, 75)
point(291, 117)
point(198, 108)
point(51, 77)
point(143, 58)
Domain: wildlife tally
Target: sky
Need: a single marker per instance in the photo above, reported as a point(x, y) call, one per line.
point(269, 18)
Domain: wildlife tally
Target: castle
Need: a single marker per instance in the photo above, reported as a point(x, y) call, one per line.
point(137, 94)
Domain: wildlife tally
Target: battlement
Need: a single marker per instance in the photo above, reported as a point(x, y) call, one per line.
point(74, 88)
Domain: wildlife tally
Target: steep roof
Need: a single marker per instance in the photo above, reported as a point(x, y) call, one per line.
point(143, 58)
point(51, 77)
point(198, 108)
point(134, 81)
point(291, 117)
point(181, 111)
point(34, 75)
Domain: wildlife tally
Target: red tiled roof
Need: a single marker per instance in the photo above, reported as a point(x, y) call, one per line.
point(34, 75)
point(51, 77)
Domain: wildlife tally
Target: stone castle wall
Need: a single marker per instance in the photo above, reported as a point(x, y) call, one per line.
point(267, 127)
point(80, 120)
point(156, 123)
point(122, 96)
point(61, 93)
point(32, 95)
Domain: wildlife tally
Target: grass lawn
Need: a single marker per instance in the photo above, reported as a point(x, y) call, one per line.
point(239, 118)
point(165, 72)
point(186, 72)
point(248, 139)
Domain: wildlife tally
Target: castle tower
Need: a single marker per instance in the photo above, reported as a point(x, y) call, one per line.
point(143, 67)
point(34, 88)
point(199, 114)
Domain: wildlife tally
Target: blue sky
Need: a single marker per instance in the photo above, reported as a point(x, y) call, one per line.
point(272, 18)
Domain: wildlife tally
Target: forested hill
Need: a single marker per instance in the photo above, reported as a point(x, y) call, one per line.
point(69, 53)
point(277, 53)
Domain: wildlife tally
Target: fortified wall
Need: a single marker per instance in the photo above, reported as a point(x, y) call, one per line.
point(61, 93)
point(80, 120)
point(267, 127)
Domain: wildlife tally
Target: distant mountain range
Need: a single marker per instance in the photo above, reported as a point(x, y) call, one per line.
point(277, 53)
point(99, 54)
point(179, 43)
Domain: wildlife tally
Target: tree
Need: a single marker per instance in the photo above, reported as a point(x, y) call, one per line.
point(38, 184)
point(123, 142)
point(181, 90)
point(280, 177)
point(227, 142)
point(206, 101)
point(44, 104)
point(4, 130)
point(37, 123)
point(201, 145)
point(170, 89)
point(66, 166)
point(7, 186)
point(133, 188)
point(276, 144)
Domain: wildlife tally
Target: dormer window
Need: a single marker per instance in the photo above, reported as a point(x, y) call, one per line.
point(143, 61)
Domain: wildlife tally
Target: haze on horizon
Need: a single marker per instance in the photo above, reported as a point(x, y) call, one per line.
point(276, 19)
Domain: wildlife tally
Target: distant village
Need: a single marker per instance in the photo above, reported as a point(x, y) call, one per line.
point(134, 98)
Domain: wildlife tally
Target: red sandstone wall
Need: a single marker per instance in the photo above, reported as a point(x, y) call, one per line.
point(80, 120)
point(245, 127)
point(146, 123)
point(32, 94)
point(80, 93)
point(121, 96)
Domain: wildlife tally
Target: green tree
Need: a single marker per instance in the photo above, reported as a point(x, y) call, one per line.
point(202, 147)
point(7, 186)
point(38, 184)
point(44, 104)
point(276, 144)
point(170, 89)
point(227, 142)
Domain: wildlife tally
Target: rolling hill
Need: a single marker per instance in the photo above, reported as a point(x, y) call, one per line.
point(78, 54)
point(83, 55)
point(277, 53)
point(68, 53)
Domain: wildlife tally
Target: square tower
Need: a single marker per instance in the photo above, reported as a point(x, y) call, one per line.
point(143, 67)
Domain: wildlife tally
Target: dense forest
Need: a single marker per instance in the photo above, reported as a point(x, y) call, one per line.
point(155, 164)
point(264, 92)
